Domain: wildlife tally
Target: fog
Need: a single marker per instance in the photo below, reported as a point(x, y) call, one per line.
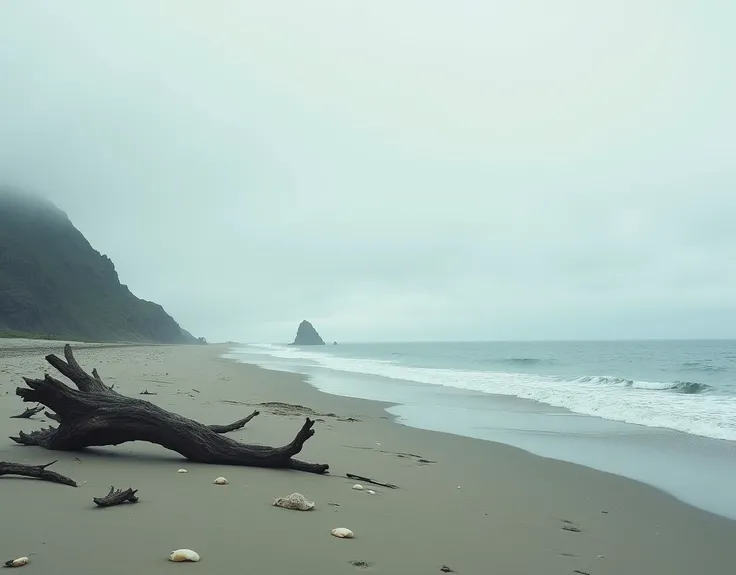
point(408, 170)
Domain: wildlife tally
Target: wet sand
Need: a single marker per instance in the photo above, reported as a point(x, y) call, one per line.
point(512, 513)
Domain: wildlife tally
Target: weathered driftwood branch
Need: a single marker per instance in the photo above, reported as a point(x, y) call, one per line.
point(72, 370)
point(233, 426)
point(52, 416)
point(116, 497)
point(369, 480)
point(28, 413)
point(95, 415)
point(37, 471)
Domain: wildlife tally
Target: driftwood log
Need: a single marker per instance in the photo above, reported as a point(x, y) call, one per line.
point(116, 497)
point(36, 471)
point(94, 414)
point(28, 413)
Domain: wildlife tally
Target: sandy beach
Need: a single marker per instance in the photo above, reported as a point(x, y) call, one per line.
point(474, 506)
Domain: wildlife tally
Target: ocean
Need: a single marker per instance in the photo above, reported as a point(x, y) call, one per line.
point(660, 412)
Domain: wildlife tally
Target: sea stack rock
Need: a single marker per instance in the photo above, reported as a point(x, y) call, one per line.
point(307, 335)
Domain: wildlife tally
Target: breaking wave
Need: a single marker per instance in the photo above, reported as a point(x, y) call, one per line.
point(686, 406)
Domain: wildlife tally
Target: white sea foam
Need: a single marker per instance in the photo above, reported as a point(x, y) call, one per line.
point(649, 403)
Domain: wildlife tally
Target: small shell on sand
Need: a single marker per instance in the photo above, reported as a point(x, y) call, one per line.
point(19, 562)
point(358, 487)
point(343, 533)
point(371, 492)
point(220, 481)
point(294, 501)
point(183, 555)
point(181, 471)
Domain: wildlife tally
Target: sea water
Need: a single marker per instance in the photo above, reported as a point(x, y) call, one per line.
point(661, 412)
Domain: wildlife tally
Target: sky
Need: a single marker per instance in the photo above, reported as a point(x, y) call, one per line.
point(390, 170)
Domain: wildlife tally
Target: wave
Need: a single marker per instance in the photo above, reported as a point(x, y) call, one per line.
point(703, 366)
point(525, 361)
point(680, 405)
point(687, 387)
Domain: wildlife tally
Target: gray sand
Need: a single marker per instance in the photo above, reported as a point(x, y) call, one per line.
point(507, 517)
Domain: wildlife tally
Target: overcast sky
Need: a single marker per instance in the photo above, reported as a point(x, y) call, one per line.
point(390, 170)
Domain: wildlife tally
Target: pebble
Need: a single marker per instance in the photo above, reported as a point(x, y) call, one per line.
point(181, 555)
point(343, 533)
point(19, 562)
point(182, 471)
point(358, 487)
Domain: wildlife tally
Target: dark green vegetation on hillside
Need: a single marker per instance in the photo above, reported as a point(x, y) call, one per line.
point(54, 284)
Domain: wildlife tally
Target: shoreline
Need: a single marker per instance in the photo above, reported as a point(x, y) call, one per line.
point(387, 406)
point(672, 461)
point(509, 514)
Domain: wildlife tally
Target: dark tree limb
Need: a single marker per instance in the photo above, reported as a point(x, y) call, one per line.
point(95, 415)
point(71, 369)
point(37, 471)
point(116, 497)
point(372, 481)
point(233, 426)
point(52, 416)
point(28, 413)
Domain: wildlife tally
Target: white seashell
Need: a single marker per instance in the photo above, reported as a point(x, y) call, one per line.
point(343, 533)
point(182, 471)
point(358, 487)
point(458, 487)
point(371, 492)
point(295, 501)
point(183, 555)
point(19, 562)
point(220, 481)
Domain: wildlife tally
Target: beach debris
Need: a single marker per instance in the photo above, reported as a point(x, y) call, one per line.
point(371, 492)
point(235, 425)
point(181, 555)
point(19, 562)
point(572, 528)
point(37, 471)
point(599, 557)
point(182, 471)
point(581, 572)
point(446, 569)
point(343, 533)
point(28, 413)
point(220, 481)
point(146, 392)
point(458, 487)
point(361, 564)
point(116, 497)
point(358, 487)
point(87, 419)
point(295, 501)
point(371, 481)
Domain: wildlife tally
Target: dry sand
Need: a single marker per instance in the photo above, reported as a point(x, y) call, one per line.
point(506, 518)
